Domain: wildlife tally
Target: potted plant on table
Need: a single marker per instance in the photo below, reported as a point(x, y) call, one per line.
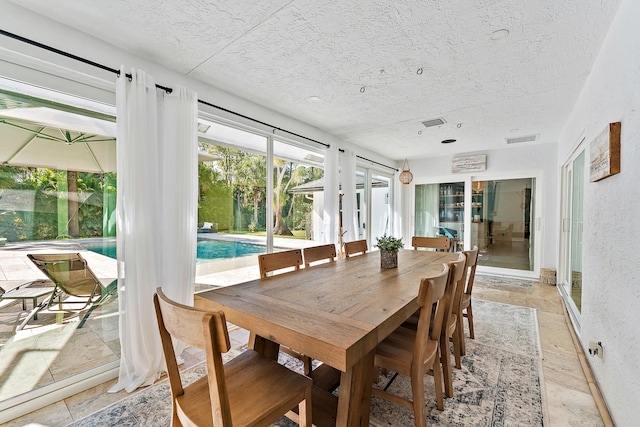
point(389, 247)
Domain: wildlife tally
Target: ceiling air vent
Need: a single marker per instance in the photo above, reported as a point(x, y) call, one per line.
point(521, 139)
point(433, 122)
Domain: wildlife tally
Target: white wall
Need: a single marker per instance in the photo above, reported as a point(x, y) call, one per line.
point(611, 242)
point(510, 162)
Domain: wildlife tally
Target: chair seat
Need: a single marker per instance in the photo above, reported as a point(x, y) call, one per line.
point(395, 353)
point(256, 385)
point(466, 301)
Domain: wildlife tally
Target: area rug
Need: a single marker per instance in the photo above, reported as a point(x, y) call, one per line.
point(499, 384)
point(503, 281)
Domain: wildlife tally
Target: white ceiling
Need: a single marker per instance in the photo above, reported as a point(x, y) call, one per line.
point(362, 58)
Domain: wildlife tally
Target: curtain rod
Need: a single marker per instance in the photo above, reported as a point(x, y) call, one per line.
point(372, 161)
point(165, 88)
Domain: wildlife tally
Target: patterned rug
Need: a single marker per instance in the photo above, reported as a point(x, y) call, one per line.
point(499, 383)
point(503, 281)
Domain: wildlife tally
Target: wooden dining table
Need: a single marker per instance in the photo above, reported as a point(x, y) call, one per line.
point(336, 313)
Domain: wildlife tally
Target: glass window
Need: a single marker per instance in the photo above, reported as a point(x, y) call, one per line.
point(298, 192)
point(57, 194)
point(439, 210)
point(381, 209)
point(232, 198)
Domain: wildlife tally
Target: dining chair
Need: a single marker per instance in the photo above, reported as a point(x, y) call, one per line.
point(438, 243)
point(355, 247)
point(249, 390)
point(465, 304)
point(414, 353)
point(454, 328)
point(319, 253)
point(456, 275)
point(275, 261)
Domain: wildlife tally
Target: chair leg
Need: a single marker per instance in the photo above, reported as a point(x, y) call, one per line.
point(86, 316)
point(417, 389)
point(445, 360)
point(437, 380)
point(470, 319)
point(33, 314)
point(463, 347)
point(307, 365)
point(304, 410)
point(457, 346)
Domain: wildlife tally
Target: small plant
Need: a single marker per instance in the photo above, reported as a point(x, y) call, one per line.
point(389, 243)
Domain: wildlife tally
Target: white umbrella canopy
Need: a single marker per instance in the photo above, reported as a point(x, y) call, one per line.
point(55, 139)
point(48, 138)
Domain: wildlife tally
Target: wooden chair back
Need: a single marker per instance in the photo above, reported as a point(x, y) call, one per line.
point(472, 263)
point(465, 305)
point(269, 263)
point(355, 247)
point(434, 291)
point(415, 352)
point(197, 328)
point(257, 390)
point(442, 243)
point(275, 261)
point(319, 253)
point(455, 275)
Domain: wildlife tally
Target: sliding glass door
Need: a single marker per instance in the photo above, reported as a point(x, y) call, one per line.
point(503, 212)
point(496, 215)
point(570, 274)
point(374, 201)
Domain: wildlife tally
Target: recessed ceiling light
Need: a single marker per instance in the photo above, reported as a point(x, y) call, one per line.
point(499, 34)
point(314, 98)
point(448, 141)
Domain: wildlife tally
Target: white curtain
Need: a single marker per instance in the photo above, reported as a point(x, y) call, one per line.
point(398, 231)
point(156, 216)
point(348, 181)
point(331, 195)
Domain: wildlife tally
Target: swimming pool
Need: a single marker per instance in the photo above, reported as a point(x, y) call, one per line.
point(206, 249)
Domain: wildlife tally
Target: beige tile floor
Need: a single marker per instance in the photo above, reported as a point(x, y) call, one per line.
point(568, 398)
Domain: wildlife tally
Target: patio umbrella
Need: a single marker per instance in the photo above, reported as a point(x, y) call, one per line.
point(45, 137)
point(55, 139)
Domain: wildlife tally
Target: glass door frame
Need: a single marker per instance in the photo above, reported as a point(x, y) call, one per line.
point(564, 279)
point(368, 171)
point(537, 205)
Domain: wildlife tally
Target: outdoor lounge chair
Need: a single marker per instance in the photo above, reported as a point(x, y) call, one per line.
point(76, 287)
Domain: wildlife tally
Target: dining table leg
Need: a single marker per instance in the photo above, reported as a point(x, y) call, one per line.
point(354, 401)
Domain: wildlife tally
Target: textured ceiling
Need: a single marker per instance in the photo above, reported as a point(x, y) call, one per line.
point(379, 67)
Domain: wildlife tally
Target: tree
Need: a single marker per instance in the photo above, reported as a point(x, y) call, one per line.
point(252, 181)
point(280, 168)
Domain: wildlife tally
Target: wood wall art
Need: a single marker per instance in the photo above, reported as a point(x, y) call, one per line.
point(477, 163)
point(605, 153)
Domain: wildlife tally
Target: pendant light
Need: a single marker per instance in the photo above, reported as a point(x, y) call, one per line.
point(406, 176)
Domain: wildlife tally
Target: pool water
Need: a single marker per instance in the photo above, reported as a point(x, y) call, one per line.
point(206, 249)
